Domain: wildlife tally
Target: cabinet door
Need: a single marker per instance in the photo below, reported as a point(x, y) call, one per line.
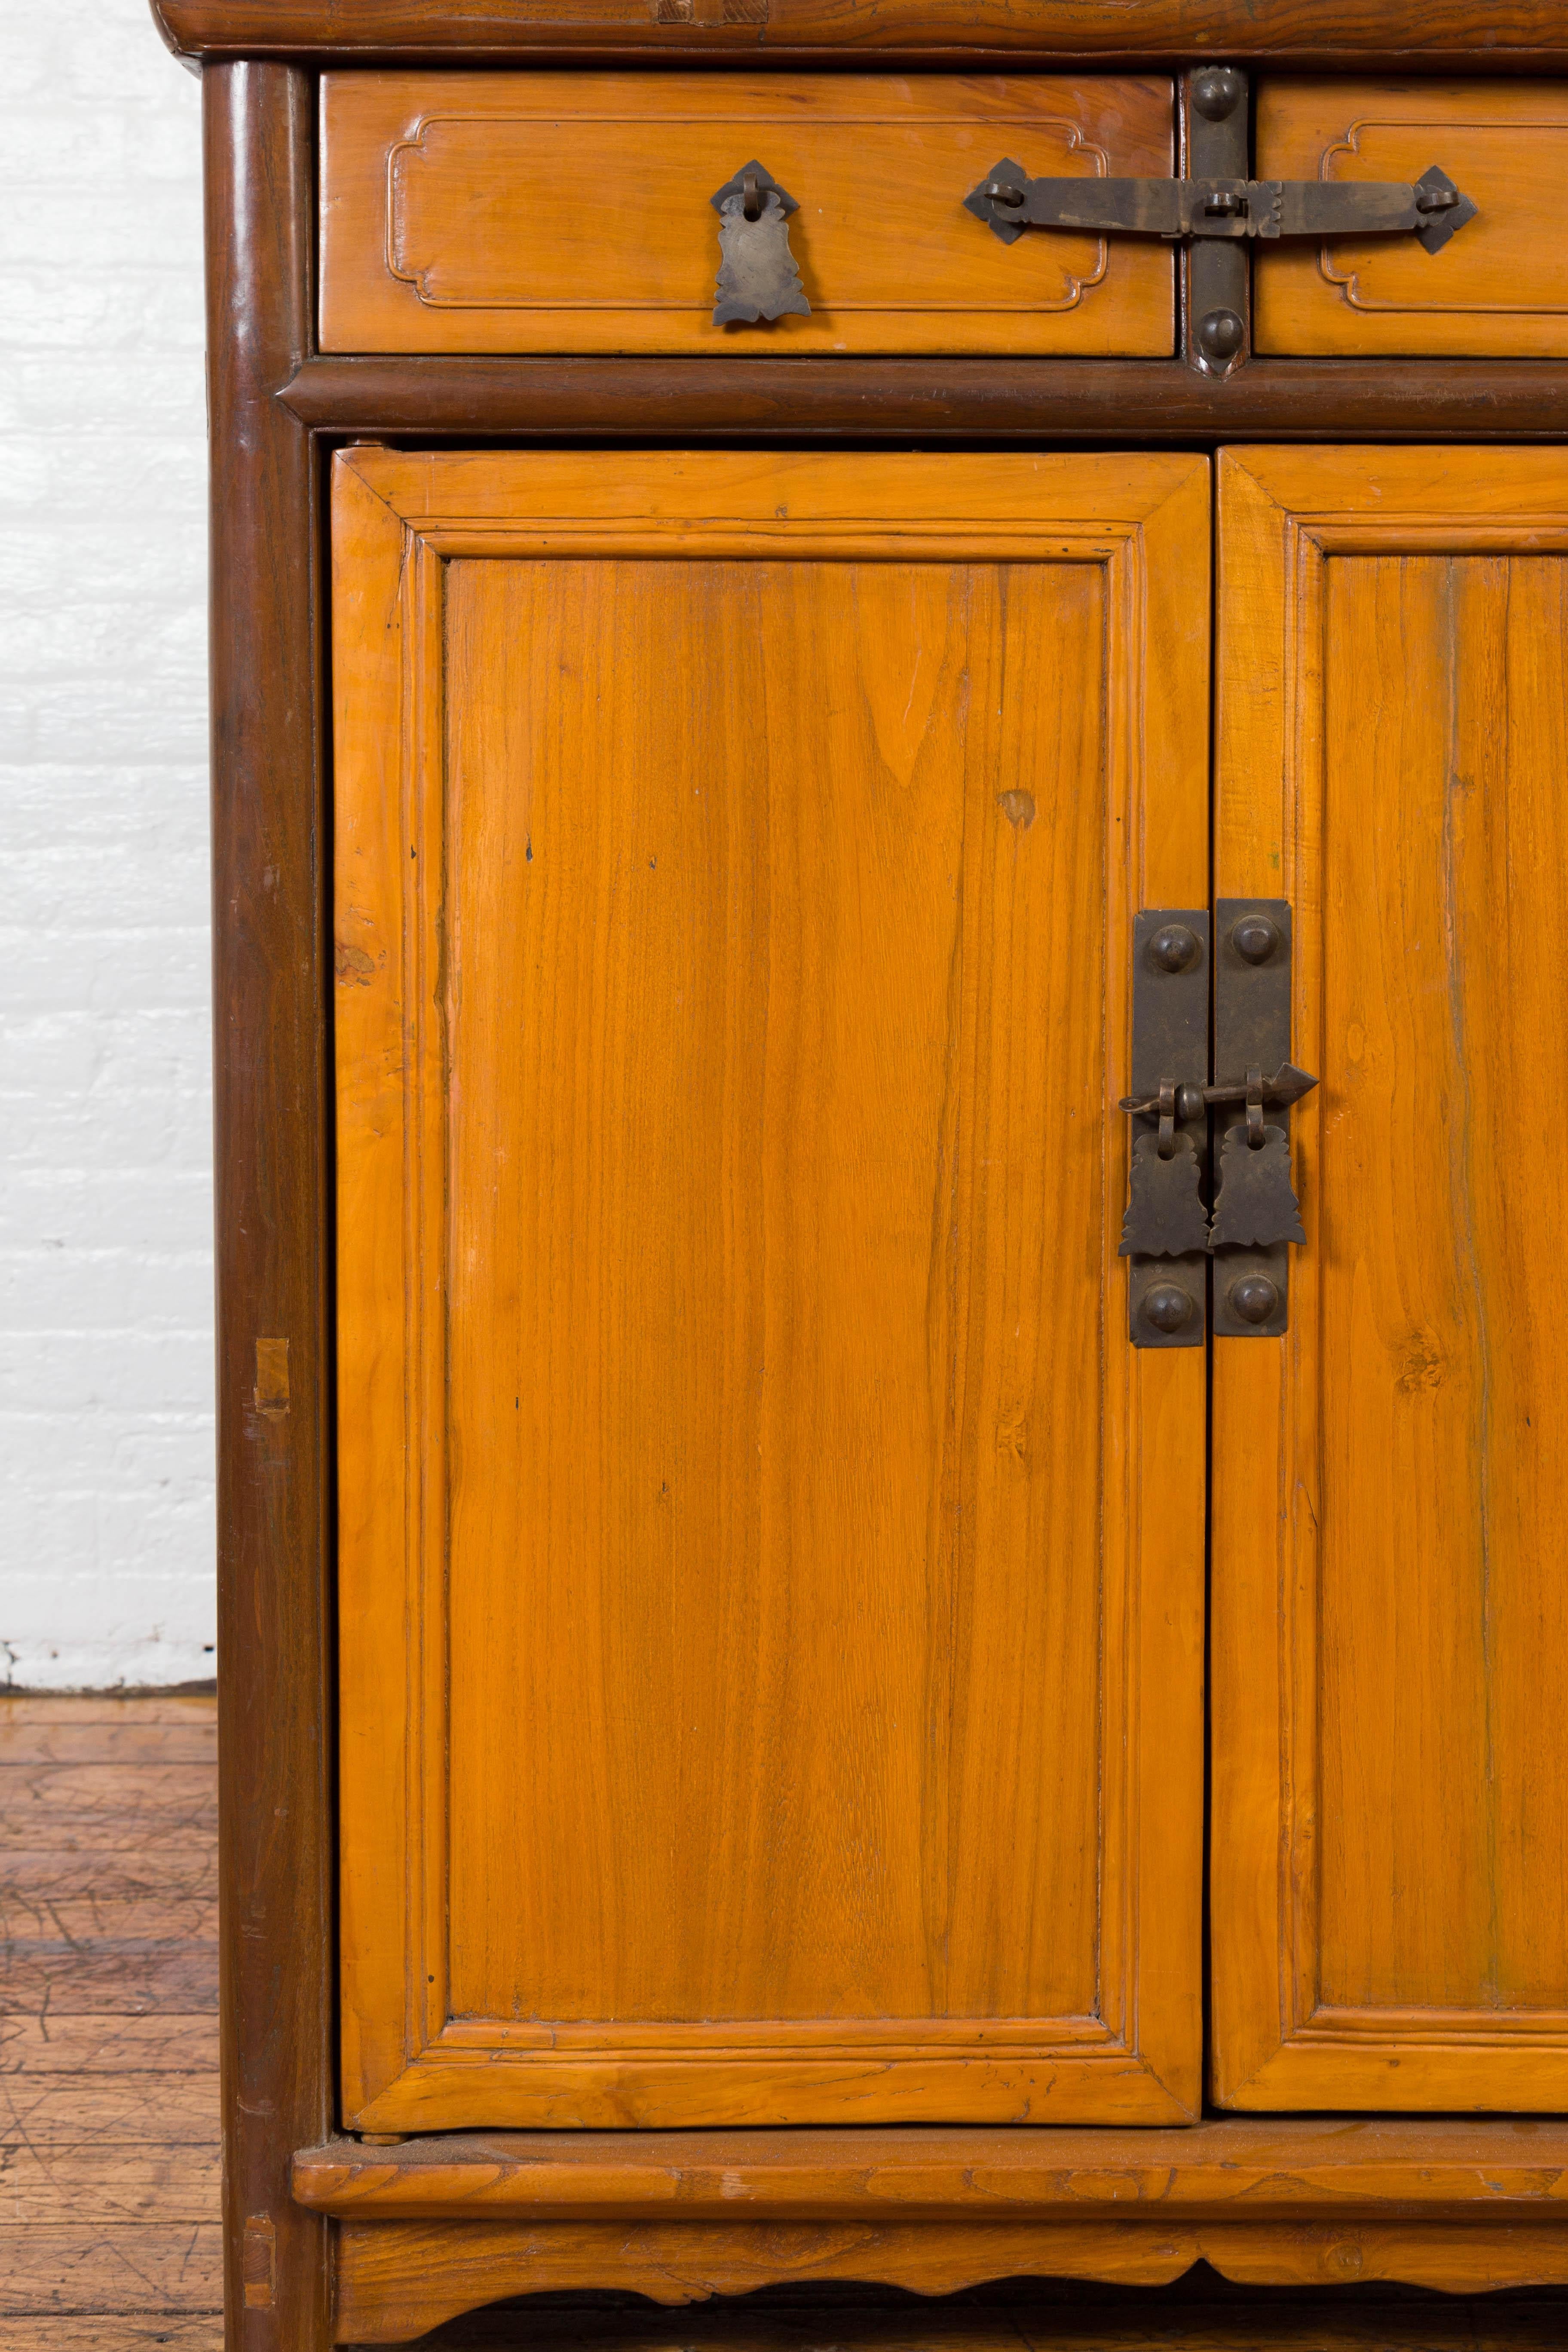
point(1391, 1479)
point(770, 1586)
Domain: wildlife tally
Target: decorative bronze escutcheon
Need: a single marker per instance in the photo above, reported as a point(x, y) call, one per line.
point(1256, 1206)
point(1166, 1214)
point(757, 276)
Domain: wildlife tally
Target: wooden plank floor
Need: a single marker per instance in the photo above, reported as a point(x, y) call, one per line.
point(109, 2107)
point(109, 2119)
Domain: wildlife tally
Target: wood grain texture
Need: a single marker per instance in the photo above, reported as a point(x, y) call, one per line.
point(160, 2331)
point(1303, 2169)
point(398, 2279)
point(789, 1454)
point(1390, 1631)
point(762, 399)
point(270, 992)
point(158, 2041)
point(1498, 288)
point(456, 213)
point(55, 1727)
point(109, 2268)
point(109, 2085)
point(1315, 33)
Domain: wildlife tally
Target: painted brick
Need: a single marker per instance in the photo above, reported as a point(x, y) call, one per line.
point(106, 1428)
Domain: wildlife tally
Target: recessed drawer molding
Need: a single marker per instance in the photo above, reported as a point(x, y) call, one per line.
point(1500, 289)
point(574, 212)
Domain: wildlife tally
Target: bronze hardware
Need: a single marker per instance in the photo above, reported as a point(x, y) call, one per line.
point(1216, 210)
point(1164, 1234)
point(1173, 946)
point(1253, 1297)
point(757, 274)
point(1168, 1310)
point(1288, 1085)
point(1255, 1204)
point(1255, 937)
point(1256, 1216)
point(1432, 207)
point(1217, 277)
point(1168, 1230)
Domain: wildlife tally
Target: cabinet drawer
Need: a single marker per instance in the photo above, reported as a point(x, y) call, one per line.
point(571, 211)
point(1499, 288)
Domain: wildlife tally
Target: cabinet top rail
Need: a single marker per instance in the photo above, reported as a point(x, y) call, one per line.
point(1320, 34)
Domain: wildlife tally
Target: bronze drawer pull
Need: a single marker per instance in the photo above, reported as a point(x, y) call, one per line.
point(757, 274)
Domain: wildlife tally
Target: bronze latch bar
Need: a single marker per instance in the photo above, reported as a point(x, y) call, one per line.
point(1217, 213)
point(1432, 207)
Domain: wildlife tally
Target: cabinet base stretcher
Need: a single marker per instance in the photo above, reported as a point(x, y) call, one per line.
point(439, 2226)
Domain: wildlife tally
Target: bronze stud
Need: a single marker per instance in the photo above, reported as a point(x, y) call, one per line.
point(1255, 937)
point(1173, 946)
point(1167, 1306)
point(1217, 91)
point(1254, 1299)
point(1220, 335)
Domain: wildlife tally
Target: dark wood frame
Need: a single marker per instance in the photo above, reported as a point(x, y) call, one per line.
point(271, 1033)
point(276, 407)
point(1319, 35)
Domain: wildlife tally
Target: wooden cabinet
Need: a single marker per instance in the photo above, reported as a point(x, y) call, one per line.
point(779, 1723)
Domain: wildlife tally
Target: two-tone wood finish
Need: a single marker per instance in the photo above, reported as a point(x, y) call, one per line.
point(276, 399)
point(571, 212)
point(1390, 1496)
point(736, 865)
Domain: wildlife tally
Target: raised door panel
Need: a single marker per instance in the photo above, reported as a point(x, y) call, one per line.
point(1499, 289)
point(1391, 1480)
point(571, 212)
point(770, 1586)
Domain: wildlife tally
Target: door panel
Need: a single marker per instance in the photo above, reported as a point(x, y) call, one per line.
point(1391, 1480)
point(768, 1694)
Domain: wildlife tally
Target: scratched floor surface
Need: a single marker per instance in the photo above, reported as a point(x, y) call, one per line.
point(109, 2108)
point(109, 2130)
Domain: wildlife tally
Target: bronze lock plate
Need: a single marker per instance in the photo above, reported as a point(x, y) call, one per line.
point(1193, 1197)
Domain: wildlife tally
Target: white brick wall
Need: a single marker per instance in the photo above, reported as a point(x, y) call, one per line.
point(106, 1536)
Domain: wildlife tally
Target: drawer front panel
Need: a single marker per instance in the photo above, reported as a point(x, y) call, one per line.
point(571, 211)
point(1498, 290)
